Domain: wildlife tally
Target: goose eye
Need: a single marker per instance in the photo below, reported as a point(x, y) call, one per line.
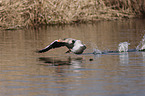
point(73, 41)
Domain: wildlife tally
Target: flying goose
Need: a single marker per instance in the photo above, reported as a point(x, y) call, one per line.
point(75, 46)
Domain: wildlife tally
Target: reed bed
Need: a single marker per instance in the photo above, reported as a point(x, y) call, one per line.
point(15, 14)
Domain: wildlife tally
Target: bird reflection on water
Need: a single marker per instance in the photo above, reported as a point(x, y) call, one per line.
point(56, 61)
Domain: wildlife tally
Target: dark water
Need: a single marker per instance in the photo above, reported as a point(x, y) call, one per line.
point(26, 73)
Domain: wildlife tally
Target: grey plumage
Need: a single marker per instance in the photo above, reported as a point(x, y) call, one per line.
point(75, 46)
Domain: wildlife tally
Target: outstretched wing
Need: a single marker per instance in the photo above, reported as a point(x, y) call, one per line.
point(54, 44)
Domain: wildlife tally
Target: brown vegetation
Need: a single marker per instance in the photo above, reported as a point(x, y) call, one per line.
point(31, 13)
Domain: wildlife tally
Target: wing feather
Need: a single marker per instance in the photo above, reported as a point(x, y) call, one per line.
point(54, 44)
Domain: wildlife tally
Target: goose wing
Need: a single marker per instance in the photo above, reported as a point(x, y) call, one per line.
point(54, 44)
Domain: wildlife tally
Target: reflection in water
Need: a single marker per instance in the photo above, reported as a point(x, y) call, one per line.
point(143, 54)
point(63, 78)
point(57, 62)
point(124, 58)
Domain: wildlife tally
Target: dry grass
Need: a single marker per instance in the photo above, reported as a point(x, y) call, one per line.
point(32, 13)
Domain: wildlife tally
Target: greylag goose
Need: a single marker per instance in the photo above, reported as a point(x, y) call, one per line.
point(74, 46)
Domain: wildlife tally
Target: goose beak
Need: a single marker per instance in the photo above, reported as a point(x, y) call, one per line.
point(58, 40)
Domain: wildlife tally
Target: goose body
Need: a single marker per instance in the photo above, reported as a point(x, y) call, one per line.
point(75, 46)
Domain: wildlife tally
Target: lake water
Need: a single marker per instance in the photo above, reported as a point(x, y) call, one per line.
point(23, 72)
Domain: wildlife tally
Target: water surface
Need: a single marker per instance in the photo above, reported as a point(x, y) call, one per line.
point(26, 73)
